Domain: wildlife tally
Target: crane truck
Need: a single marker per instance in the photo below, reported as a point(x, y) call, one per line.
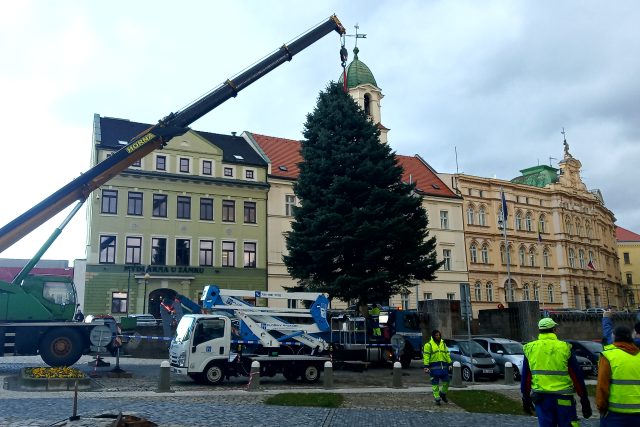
point(36, 312)
point(293, 341)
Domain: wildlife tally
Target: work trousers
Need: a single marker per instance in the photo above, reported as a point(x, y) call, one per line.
point(556, 410)
point(438, 376)
point(617, 419)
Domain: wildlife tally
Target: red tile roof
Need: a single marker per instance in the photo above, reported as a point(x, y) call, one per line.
point(8, 273)
point(624, 235)
point(285, 156)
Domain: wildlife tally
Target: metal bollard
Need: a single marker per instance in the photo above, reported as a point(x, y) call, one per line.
point(456, 378)
point(397, 375)
point(164, 385)
point(328, 375)
point(254, 376)
point(508, 373)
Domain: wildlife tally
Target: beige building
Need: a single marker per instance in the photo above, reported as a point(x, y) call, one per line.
point(560, 239)
point(443, 206)
point(629, 258)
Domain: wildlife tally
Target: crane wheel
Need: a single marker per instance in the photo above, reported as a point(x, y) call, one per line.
point(311, 374)
point(61, 347)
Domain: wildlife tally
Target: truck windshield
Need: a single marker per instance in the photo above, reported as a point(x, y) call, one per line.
point(183, 331)
point(61, 293)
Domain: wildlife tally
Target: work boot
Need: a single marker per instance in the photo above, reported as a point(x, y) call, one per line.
point(438, 401)
point(444, 398)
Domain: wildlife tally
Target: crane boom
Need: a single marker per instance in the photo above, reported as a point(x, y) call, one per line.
point(157, 136)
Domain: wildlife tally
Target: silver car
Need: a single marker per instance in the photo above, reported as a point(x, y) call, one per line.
point(504, 350)
point(474, 360)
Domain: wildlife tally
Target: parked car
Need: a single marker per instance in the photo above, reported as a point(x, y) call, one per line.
point(504, 350)
point(474, 360)
point(589, 349)
point(144, 319)
point(587, 367)
point(595, 310)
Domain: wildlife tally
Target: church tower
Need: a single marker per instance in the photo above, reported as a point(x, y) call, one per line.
point(362, 86)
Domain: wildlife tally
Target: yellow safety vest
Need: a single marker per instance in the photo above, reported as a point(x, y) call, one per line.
point(624, 392)
point(436, 353)
point(549, 363)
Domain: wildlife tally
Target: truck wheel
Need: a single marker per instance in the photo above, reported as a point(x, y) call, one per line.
point(214, 374)
point(311, 374)
point(61, 347)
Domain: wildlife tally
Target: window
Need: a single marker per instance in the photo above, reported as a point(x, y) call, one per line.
point(109, 202)
point(532, 257)
point(249, 212)
point(184, 207)
point(518, 221)
point(588, 229)
point(444, 220)
point(158, 251)
point(207, 167)
point(525, 292)
point(249, 174)
point(289, 203)
point(446, 256)
point(546, 258)
point(428, 295)
point(133, 250)
point(521, 254)
point(626, 257)
point(581, 261)
point(228, 172)
point(206, 209)
point(137, 164)
point(527, 222)
point(572, 258)
point(206, 253)
point(541, 224)
point(629, 278)
point(485, 254)
point(503, 257)
point(228, 211)
point(249, 255)
point(107, 250)
point(404, 300)
point(183, 251)
point(510, 291)
point(228, 254)
point(367, 104)
point(160, 205)
point(569, 228)
point(477, 291)
point(470, 215)
point(161, 163)
point(536, 292)
point(550, 296)
point(118, 302)
point(184, 165)
point(134, 203)
point(451, 296)
point(474, 253)
point(482, 216)
point(578, 228)
point(489, 292)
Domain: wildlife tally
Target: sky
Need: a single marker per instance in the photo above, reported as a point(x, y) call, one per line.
point(494, 81)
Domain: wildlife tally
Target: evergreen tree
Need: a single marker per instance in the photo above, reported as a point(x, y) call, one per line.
point(359, 233)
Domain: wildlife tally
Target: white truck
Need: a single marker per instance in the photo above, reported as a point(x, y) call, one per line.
point(210, 348)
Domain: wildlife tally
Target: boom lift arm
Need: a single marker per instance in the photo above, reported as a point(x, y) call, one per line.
point(157, 136)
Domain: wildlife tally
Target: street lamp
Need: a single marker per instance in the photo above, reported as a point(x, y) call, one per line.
point(147, 276)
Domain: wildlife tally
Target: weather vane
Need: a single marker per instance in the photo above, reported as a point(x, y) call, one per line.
point(356, 35)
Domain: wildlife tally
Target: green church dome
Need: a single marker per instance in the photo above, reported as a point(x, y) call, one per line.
point(358, 73)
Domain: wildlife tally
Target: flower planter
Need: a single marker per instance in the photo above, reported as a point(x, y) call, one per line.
point(28, 382)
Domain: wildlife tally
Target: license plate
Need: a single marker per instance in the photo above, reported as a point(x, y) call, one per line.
point(487, 371)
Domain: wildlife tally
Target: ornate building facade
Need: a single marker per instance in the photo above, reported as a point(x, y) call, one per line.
point(629, 258)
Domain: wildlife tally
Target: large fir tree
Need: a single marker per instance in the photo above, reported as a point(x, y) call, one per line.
point(359, 233)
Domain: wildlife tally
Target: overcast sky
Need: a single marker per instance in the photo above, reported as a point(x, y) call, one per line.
point(498, 80)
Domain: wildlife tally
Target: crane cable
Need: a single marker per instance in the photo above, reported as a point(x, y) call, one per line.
point(343, 57)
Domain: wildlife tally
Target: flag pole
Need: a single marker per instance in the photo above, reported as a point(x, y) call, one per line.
point(506, 243)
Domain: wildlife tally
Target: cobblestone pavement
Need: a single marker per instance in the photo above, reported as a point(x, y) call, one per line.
point(369, 401)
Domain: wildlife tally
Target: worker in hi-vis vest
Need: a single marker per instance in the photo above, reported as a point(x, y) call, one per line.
point(437, 362)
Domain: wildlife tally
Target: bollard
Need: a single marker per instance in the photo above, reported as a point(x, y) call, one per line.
point(254, 376)
point(456, 378)
point(165, 379)
point(508, 373)
point(328, 375)
point(397, 375)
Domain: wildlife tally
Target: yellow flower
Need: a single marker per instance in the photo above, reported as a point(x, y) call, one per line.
point(57, 372)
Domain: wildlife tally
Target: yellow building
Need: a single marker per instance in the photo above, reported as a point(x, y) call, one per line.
point(560, 239)
point(629, 257)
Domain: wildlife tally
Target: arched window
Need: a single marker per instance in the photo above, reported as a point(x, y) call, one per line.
point(367, 104)
point(567, 224)
point(478, 291)
point(587, 226)
point(510, 290)
point(578, 227)
point(532, 257)
point(546, 258)
point(527, 222)
point(489, 291)
point(525, 292)
point(470, 215)
point(536, 293)
point(550, 295)
point(587, 299)
point(503, 257)
point(521, 255)
point(581, 259)
point(542, 224)
point(572, 258)
point(596, 297)
point(518, 221)
point(481, 216)
point(485, 254)
point(473, 251)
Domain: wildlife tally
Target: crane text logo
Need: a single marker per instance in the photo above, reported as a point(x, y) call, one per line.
point(139, 143)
